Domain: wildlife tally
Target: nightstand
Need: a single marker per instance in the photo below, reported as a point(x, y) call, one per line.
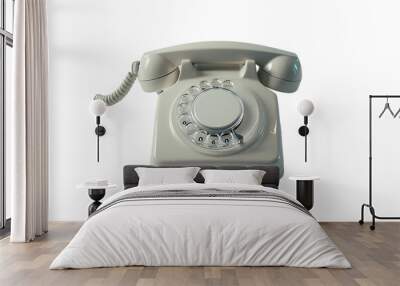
point(96, 193)
point(305, 190)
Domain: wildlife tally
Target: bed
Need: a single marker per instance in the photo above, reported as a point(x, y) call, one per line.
point(199, 224)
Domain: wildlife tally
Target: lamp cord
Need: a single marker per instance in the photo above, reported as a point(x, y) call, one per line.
point(305, 151)
point(98, 144)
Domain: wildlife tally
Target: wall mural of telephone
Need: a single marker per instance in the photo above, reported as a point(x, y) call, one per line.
point(215, 105)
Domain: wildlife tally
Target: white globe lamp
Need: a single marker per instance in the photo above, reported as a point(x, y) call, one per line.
point(305, 107)
point(97, 107)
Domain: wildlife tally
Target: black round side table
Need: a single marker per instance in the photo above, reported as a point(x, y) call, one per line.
point(305, 190)
point(96, 193)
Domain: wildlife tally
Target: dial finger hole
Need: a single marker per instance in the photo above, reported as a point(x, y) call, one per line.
point(199, 137)
point(183, 108)
point(213, 141)
point(227, 84)
point(185, 98)
point(216, 83)
point(189, 127)
point(194, 90)
point(184, 120)
point(205, 84)
point(234, 139)
point(226, 139)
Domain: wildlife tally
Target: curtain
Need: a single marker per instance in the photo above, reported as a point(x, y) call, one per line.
point(28, 120)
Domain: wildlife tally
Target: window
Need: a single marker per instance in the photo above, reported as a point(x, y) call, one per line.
point(6, 44)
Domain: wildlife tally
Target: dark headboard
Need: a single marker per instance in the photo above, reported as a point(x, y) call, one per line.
point(271, 177)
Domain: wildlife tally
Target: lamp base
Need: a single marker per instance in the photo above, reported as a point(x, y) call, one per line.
point(303, 130)
point(100, 130)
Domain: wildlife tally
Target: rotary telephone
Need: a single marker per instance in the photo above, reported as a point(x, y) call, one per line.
point(215, 103)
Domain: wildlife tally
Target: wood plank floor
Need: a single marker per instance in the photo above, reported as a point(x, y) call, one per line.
point(375, 257)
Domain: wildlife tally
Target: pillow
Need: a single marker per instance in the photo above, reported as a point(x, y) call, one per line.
point(163, 176)
point(248, 177)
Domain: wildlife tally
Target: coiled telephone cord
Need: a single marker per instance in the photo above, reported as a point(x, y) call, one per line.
point(118, 94)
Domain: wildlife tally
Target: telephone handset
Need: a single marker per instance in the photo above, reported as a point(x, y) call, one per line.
point(215, 105)
point(278, 69)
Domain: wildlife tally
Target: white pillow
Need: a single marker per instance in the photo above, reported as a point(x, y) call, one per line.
point(163, 176)
point(247, 177)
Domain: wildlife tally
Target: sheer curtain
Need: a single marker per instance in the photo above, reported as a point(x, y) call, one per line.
point(28, 160)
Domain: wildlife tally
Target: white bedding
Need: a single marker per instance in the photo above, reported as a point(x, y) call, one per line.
point(200, 231)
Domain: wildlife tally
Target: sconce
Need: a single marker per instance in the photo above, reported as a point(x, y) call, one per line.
point(97, 108)
point(305, 108)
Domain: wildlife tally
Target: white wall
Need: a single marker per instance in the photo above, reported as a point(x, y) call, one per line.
point(348, 50)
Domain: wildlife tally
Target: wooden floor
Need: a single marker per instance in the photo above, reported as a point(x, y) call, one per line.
point(375, 257)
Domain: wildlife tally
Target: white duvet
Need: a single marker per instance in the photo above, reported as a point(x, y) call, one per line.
point(194, 231)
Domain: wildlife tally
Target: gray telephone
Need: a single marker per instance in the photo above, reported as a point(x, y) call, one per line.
point(215, 104)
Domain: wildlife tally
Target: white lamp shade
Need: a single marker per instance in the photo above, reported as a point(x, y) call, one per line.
point(97, 107)
point(305, 107)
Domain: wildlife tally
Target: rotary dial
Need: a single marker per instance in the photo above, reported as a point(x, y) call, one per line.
point(209, 113)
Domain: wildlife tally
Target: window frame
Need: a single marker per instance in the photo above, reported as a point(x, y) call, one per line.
point(6, 39)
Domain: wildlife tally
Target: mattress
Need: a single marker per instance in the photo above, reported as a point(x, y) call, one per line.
point(201, 225)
